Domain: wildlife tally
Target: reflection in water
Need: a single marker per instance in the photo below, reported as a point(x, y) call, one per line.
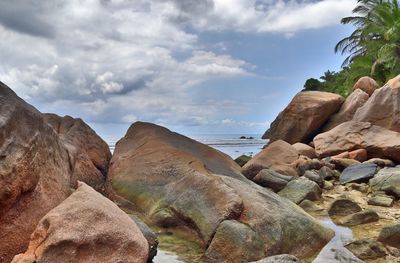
point(335, 251)
point(166, 257)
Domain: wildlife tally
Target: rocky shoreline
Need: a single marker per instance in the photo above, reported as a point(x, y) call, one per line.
point(65, 198)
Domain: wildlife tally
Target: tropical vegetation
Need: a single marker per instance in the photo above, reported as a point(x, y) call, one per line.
point(373, 49)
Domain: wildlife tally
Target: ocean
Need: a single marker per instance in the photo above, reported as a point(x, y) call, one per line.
point(230, 144)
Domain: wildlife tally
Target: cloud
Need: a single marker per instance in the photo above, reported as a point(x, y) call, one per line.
point(278, 16)
point(121, 60)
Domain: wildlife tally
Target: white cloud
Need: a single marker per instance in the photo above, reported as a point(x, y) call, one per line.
point(121, 60)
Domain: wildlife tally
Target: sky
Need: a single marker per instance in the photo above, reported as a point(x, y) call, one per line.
point(194, 66)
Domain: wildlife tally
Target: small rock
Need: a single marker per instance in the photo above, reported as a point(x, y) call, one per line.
point(300, 189)
point(271, 179)
point(343, 206)
point(367, 249)
point(358, 173)
point(390, 235)
point(387, 180)
point(304, 164)
point(309, 206)
point(285, 258)
point(314, 176)
point(306, 150)
point(328, 185)
point(363, 217)
point(381, 200)
point(328, 174)
point(342, 163)
point(360, 155)
point(343, 255)
point(242, 160)
point(363, 188)
point(381, 162)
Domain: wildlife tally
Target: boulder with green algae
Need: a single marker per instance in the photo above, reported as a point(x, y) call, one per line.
point(242, 160)
point(177, 181)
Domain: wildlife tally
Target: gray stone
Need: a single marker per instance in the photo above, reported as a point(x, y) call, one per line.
point(343, 206)
point(390, 235)
point(314, 176)
point(301, 189)
point(358, 173)
point(328, 174)
point(367, 249)
point(271, 179)
point(285, 258)
point(359, 218)
point(381, 200)
point(387, 180)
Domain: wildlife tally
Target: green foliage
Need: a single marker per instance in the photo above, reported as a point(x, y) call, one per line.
point(373, 49)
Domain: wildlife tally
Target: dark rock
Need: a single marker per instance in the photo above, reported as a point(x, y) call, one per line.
point(342, 163)
point(300, 189)
point(150, 236)
point(271, 179)
point(328, 174)
point(390, 235)
point(358, 173)
point(362, 217)
point(367, 249)
point(343, 206)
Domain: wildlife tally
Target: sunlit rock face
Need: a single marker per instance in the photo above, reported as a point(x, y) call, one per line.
point(35, 172)
point(90, 154)
point(301, 120)
point(177, 181)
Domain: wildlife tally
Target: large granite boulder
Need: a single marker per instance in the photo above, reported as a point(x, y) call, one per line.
point(383, 107)
point(176, 181)
point(86, 227)
point(279, 156)
point(348, 109)
point(367, 85)
point(379, 142)
point(388, 181)
point(90, 153)
point(304, 116)
point(34, 172)
point(305, 150)
point(358, 173)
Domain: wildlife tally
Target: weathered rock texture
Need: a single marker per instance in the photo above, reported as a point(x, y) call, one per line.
point(304, 116)
point(177, 181)
point(383, 108)
point(348, 109)
point(388, 181)
point(86, 227)
point(366, 84)
point(278, 156)
point(34, 172)
point(90, 153)
point(379, 142)
point(304, 149)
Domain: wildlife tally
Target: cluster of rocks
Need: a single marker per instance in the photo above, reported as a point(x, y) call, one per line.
point(60, 187)
point(322, 142)
point(62, 191)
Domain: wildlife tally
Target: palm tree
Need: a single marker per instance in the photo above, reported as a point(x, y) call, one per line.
point(354, 44)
